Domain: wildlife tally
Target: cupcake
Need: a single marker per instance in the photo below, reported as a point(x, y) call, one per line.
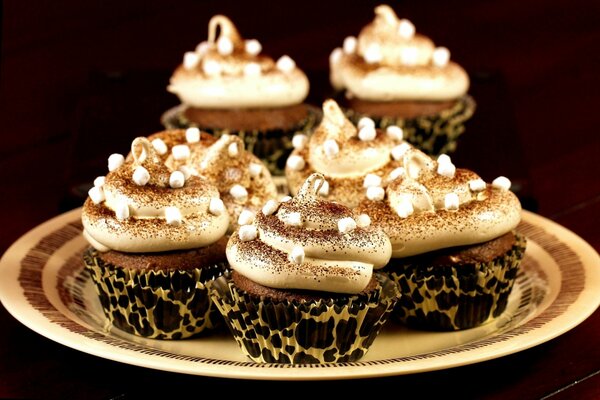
point(227, 86)
point(455, 248)
point(157, 240)
point(357, 161)
point(304, 286)
point(399, 77)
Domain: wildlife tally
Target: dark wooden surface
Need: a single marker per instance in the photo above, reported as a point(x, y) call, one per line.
point(79, 80)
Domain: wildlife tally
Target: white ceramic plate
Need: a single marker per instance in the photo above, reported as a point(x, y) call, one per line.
point(43, 285)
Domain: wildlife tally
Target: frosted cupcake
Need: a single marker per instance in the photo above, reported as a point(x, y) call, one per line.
point(399, 77)
point(455, 248)
point(227, 86)
point(157, 240)
point(357, 161)
point(304, 286)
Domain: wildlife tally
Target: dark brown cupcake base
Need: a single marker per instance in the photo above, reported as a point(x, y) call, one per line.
point(157, 304)
point(455, 297)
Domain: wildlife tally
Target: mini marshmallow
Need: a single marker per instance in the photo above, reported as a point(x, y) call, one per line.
point(295, 163)
point(299, 141)
point(122, 210)
point(202, 48)
point(285, 199)
point(405, 208)
point(233, 150)
point(398, 151)
point(395, 132)
point(446, 169)
point(293, 219)
point(336, 55)
point(254, 169)
point(373, 53)
point(176, 179)
point(99, 181)
point(440, 57)
point(247, 233)
point(211, 67)
point(96, 194)
point(180, 152)
point(331, 148)
point(297, 254)
point(160, 146)
point(501, 182)
point(270, 207)
point(406, 29)
point(443, 158)
point(141, 176)
point(397, 173)
point(216, 206)
point(186, 171)
point(173, 216)
point(451, 201)
point(409, 56)
point(252, 69)
point(190, 59)
point(239, 192)
point(477, 185)
point(252, 47)
point(365, 121)
point(285, 64)
point(363, 221)
point(224, 46)
point(115, 161)
point(367, 133)
point(371, 180)
point(346, 224)
point(375, 193)
point(246, 217)
point(192, 135)
point(349, 45)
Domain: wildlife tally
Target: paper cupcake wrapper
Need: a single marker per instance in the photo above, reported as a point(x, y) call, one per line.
point(292, 332)
point(162, 304)
point(273, 146)
point(450, 298)
point(433, 134)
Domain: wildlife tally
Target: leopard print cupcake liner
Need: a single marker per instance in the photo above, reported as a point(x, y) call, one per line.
point(272, 147)
point(434, 134)
point(156, 304)
point(292, 332)
point(449, 298)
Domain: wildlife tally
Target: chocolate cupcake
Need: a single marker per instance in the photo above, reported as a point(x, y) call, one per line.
point(455, 248)
point(398, 77)
point(157, 240)
point(357, 161)
point(226, 86)
point(304, 286)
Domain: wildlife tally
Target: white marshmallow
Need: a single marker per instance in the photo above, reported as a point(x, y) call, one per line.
point(446, 169)
point(141, 176)
point(299, 141)
point(233, 150)
point(477, 185)
point(409, 56)
point(186, 171)
point(224, 46)
point(176, 179)
point(397, 173)
point(270, 207)
point(247, 233)
point(253, 47)
point(406, 29)
point(122, 210)
point(371, 180)
point(216, 206)
point(202, 47)
point(395, 132)
point(297, 255)
point(375, 193)
point(440, 57)
point(501, 182)
point(255, 169)
point(285, 199)
point(331, 148)
point(373, 54)
point(365, 121)
point(190, 60)
point(173, 216)
point(96, 194)
point(115, 161)
point(399, 151)
point(295, 163)
point(349, 45)
point(346, 224)
point(160, 146)
point(246, 217)
point(252, 69)
point(285, 64)
point(293, 219)
point(239, 193)
point(180, 152)
point(99, 181)
point(336, 55)
point(367, 133)
point(363, 220)
point(405, 208)
point(451, 201)
point(192, 135)
point(211, 67)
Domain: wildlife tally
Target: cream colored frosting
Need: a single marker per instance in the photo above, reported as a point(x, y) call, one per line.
point(389, 61)
point(228, 71)
point(436, 205)
point(309, 243)
point(142, 206)
point(352, 158)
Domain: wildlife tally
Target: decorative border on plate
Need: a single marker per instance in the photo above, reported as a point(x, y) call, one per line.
point(33, 263)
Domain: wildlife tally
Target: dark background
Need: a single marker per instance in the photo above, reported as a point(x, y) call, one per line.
point(81, 79)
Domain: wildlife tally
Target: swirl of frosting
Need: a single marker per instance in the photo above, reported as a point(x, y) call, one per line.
point(357, 161)
point(227, 72)
point(143, 206)
point(389, 61)
point(309, 243)
point(242, 179)
point(436, 205)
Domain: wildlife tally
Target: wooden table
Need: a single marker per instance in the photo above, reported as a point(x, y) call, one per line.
point(81, 79)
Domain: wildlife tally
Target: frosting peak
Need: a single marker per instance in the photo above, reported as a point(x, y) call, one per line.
point(309, 243)
point(227, 71)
